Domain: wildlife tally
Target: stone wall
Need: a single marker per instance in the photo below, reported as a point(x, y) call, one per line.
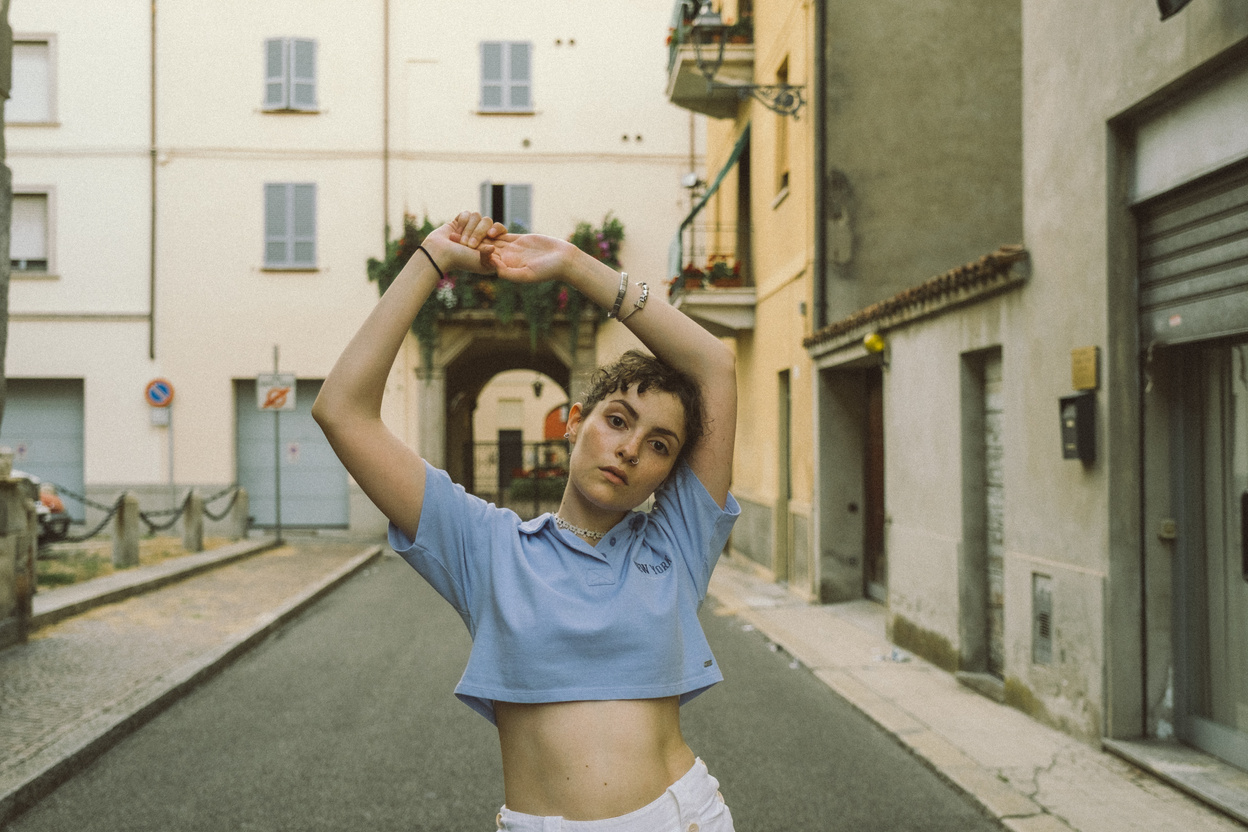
point(18, 542)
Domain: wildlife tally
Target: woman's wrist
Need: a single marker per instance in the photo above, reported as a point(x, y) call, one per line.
point(593, 278)
point(438, 253)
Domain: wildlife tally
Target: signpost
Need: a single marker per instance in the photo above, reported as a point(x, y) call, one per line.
point(159, 395)
point(276, 392)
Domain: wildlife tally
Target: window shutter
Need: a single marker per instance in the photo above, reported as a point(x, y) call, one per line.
point(491, 76)
point(302, 74)
point(518, 208)
point(487, 199)
point(519, 77)
point(30, 99)
point(275, 232)
point(276, 60)
point(303, 225)
point(29, 230)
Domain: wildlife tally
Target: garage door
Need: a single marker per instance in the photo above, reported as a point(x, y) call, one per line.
point(314, 483)
point(1194, 260)
point(43, 421)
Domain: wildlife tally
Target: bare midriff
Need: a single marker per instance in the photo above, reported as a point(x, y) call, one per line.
point(590, 760)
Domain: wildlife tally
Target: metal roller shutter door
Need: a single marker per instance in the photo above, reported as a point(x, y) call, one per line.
point(314, 483)
point(43, 424)
point(1193, 260)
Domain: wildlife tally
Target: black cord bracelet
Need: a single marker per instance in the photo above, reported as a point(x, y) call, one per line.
point(432, 262)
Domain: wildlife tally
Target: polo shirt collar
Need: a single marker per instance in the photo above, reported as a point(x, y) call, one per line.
point(629, 526)
point(537, 523)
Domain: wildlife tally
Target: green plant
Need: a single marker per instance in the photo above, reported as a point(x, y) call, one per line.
point(548, 488)
point(539, 303)
point(602, 243)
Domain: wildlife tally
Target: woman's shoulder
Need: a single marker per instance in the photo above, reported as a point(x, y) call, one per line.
point(447, 501)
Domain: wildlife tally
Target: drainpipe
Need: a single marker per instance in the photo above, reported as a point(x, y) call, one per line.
point(151, 255)
point(821, 164)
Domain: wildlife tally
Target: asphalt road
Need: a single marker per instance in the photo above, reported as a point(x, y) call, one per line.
point(345, 720)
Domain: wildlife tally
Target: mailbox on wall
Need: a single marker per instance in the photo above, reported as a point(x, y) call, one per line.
point(1078, 412)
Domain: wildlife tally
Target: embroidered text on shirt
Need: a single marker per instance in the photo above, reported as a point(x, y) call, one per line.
point(654, 568)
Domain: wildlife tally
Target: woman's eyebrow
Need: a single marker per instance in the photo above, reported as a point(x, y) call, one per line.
point(657, 429)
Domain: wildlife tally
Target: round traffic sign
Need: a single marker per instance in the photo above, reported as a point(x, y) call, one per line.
point(159, 392)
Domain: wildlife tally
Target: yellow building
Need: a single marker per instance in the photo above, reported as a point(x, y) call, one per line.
point(753, 224)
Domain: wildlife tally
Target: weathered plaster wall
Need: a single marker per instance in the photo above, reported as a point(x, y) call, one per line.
point(1084, 66)
point(923, 147)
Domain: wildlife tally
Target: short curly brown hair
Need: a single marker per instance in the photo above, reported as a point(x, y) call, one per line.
point(646, 371)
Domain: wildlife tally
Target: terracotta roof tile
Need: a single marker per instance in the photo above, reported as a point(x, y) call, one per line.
point(981, 274)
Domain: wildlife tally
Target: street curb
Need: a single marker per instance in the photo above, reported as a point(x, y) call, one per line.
point(40, 775)
point(58, 604)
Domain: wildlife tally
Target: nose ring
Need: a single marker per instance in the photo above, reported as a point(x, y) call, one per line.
point(633, 461)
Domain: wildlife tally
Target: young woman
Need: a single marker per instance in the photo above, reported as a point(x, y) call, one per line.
point(584, 623)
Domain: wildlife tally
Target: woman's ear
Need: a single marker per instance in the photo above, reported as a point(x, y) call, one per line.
point(574, 421)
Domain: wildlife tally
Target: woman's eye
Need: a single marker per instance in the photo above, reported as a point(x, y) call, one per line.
point(660, 447)
point(616, 421)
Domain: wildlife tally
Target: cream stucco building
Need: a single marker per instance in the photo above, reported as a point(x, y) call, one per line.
point(199, 187)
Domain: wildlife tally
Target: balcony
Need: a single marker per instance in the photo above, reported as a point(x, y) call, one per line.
point(688, 85)
point(717, 297)
point(722, 312)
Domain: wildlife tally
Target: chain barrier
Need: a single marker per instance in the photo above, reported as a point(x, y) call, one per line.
point(149, 518)
point(174, 514)
point(228, 506)
point(86, 501)
point(82, 538)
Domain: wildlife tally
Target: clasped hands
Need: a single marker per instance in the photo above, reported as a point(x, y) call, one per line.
point(477, 244)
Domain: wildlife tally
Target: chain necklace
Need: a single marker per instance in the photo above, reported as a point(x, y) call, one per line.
point(564, 524)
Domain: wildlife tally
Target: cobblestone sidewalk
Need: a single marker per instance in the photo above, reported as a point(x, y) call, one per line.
point(79, 685)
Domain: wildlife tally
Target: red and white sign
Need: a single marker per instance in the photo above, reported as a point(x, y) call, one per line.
point(159, 392)
point(275, 392)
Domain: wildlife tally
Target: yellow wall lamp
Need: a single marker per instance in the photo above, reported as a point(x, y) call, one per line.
point(874, 343)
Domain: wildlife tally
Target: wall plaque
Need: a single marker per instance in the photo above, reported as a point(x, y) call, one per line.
point(1084, 363)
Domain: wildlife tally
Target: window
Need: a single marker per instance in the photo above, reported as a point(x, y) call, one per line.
point(506, 77)
point(290, 226)
point(512, 205)
point(29, 234)
point(290, 74)
point(31, 99)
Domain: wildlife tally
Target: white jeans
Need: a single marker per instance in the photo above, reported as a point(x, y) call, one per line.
point(691, 804)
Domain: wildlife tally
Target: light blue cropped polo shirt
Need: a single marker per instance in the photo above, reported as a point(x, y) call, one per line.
point(554, 619)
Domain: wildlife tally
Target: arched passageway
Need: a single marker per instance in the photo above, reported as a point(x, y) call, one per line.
point(472, 351)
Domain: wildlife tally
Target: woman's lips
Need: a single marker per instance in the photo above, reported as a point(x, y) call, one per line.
point(615, 474)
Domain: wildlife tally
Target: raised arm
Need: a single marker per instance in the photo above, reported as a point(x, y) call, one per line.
point(348, 408)
point(667, 332)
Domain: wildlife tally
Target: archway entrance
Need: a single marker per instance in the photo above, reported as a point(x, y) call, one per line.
point(471, 351)
point(518, 457)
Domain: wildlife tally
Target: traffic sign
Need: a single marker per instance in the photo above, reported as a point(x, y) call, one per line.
point(275, 391)
point(159, 392)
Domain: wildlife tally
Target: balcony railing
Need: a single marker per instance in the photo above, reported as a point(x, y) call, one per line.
point(687, 83)
point(720, 297)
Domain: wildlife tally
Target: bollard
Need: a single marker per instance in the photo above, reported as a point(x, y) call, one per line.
point(126, 533)
point(193, 523)
point(241, 514)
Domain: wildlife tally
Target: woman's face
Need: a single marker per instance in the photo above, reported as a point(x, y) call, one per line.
point(624, 449)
